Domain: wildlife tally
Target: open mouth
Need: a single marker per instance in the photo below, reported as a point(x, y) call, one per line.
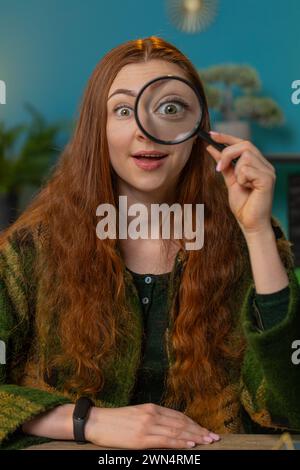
point(152, 157)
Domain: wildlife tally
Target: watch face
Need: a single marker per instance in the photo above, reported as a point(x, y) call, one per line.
point(79, 418)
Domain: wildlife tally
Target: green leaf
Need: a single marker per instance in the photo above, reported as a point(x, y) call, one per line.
point(28, 151)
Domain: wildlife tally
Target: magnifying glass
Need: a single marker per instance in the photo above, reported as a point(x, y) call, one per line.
point(169, 110)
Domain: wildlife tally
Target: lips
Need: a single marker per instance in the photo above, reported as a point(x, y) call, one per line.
point(149, 154)
point(149, 162)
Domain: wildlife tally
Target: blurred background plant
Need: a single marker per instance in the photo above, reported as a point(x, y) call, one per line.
point(27, 153)
point(233, 91)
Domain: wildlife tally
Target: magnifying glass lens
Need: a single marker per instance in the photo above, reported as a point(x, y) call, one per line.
point(169, 110)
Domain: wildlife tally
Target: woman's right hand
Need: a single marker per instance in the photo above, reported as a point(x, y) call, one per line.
point(144, 426)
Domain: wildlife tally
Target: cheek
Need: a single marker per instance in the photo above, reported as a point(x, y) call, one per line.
point(118, 138)
point(183, 154)
point(119, 146)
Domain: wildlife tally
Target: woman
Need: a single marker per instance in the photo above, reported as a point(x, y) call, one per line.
point(172, 346)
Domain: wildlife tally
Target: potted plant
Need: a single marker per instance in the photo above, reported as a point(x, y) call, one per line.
point(233, 91)
point(27, 153)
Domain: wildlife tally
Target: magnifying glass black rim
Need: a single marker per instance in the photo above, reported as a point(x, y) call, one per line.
point(167, 142)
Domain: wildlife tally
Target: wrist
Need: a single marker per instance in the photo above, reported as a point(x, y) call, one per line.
point(55, 423)
point(66, 413)
point(91, 423)
point(265, 235)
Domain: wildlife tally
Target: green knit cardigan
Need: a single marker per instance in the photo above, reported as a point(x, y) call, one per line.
point(265, 395)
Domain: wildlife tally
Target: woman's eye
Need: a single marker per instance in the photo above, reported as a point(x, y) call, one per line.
point(172, 107)
point(122, 111)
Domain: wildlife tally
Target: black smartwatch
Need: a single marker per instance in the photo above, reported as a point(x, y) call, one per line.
point(80, 416)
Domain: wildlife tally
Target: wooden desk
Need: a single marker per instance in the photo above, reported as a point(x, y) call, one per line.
point(227, 442)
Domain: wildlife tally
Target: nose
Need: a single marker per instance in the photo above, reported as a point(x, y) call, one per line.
point(140, 136)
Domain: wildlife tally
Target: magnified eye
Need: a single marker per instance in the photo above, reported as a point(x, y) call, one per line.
point(172, 107)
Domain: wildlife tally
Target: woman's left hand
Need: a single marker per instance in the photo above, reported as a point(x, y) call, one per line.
point(250, 182)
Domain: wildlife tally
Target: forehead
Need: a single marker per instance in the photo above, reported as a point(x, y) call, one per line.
point(134, 76)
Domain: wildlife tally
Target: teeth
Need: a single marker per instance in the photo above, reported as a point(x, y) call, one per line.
point(150, 156)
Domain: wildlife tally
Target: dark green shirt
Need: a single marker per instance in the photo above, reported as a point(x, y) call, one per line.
point(152, 289)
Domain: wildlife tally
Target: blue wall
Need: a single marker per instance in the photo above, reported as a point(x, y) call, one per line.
point(280, 202)
point(48, 48)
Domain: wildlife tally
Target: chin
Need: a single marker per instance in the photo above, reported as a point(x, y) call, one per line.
point(147, 189)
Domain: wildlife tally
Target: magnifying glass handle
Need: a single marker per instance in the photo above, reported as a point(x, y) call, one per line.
point(217, 145)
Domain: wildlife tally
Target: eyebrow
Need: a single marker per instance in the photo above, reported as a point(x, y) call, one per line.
point(123, 91)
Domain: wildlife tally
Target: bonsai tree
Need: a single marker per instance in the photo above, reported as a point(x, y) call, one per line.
point(233, 91)
point(27, 152)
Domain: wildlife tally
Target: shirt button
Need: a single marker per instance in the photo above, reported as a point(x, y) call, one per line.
point(145, 300)
point(148, 279)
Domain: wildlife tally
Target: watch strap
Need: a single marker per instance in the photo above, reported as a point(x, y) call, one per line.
point(80, 416)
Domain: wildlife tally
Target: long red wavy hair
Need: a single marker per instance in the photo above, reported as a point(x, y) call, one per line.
point(82, 277)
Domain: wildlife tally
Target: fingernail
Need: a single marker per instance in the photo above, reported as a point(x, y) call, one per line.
point(207, 439)
point(214, 436)
point(214, 132)
point(219, 166)
point(191, 444)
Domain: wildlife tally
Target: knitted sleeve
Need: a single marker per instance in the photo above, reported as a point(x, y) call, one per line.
point(18, 404)
point(270, 381)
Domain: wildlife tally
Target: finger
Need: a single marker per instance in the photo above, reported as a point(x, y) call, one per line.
point(244, 161)
point(241, 149)
point(222, 161)
point(164, 411)
point(182, 420)
point(225, 138)
point(170, 413)
point(249, 147)
point(247, 158)
point(184, 424)
point(252, 177)
point(175, 433)
point(215, 153)
point(228, 173)
point(164, 442)
point(170, 417)
point(236, 150)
